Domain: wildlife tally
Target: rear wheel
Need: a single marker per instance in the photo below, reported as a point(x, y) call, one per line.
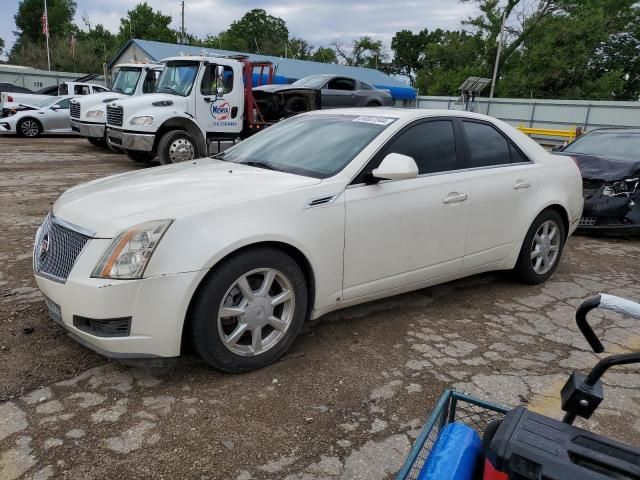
point(29, 127)
point(373, 104)
point(541, 249)
point(138, 156)
point(177, 146)
point(249, 310)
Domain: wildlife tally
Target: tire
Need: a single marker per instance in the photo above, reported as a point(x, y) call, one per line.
point(114, 149)
point(531, 269)
point(140, 157)
point(177, 146)
point(97, 142)
point(29, 127)
point(220, 289)
point(373, 104)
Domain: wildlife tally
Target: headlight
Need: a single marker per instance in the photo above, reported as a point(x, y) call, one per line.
point(95, 114)
point(141, 121)
point(130, 251)
point(622, 188)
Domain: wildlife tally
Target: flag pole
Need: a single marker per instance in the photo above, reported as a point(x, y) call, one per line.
point(46, 16)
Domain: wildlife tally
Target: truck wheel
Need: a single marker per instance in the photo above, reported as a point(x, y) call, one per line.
point(138, 156)
point(98, 142)
point(176, 146)
point(115, 149)
point(28, 127)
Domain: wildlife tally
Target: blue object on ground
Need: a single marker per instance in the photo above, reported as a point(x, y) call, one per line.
point(454, 455)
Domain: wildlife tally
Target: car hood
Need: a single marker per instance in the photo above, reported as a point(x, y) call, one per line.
point(606, 169)
point(109, 205)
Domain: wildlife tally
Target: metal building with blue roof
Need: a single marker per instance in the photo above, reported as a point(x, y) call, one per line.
point(287, 69)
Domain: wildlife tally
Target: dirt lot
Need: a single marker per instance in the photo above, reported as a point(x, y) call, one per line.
point(346, 403)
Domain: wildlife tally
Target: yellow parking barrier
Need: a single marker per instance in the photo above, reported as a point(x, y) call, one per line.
point(570, 135)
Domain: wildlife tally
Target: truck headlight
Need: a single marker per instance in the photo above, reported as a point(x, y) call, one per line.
point(95, 114)
point(130, 251)
point(141, 121)
point(622, 188)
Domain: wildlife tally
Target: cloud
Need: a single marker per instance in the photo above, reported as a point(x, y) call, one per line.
point(320, 22)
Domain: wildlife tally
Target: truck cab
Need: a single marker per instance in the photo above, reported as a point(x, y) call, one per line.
point(88, 113)
point(201, 105)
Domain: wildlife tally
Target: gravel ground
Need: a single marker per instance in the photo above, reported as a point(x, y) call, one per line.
point(345, 403)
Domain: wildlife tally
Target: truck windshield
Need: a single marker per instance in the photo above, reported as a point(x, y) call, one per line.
point(126, 80)
point(292, 146)
point(177, 78)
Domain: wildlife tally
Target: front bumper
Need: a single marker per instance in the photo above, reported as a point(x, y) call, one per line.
point(88, 129)
point(5, 127)
point(130, 140)
point(156, 306)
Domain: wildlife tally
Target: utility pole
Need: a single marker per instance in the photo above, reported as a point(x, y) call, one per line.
point(495, 66)
point(182, 39)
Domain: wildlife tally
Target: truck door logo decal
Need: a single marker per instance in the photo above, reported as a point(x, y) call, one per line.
point(220, 110)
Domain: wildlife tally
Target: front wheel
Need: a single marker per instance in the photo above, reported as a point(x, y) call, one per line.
point(29, 127)
point(176, 146)
point(541, 249)
point(138, 156)
point(249, 309)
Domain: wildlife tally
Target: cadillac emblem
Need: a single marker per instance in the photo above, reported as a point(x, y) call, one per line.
point(43, 247)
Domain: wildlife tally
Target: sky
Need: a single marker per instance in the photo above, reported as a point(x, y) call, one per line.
point(319, 22)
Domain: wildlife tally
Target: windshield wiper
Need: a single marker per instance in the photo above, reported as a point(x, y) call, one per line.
point(260, 164)
point(168, 90)
point(117, 89)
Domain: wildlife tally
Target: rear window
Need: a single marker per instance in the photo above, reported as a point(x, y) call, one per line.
point(608, 144)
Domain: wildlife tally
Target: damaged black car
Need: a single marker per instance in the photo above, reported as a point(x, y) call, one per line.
point(609, 159)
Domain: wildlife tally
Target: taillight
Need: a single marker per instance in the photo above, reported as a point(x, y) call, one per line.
point(9, 98)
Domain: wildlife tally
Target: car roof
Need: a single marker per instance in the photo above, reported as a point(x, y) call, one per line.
point(402, 113)
point(634, 130)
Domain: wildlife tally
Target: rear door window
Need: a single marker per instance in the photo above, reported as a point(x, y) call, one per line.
point(486, 146)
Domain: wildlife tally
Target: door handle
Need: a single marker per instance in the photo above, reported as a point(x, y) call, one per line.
point(455, 198)
point(521, 185)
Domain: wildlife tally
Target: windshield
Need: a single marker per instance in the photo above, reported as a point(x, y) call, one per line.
point(312, 145)
point(313, 81)
point(48, 102)
point(177, 78)
point(126, 80)
point(617, 144)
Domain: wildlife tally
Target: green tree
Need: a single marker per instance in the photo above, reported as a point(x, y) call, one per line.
point(256, 32)
point(324, 55)
point(408, 52)
point(29, 19)
point(364, 52)
point(1, 45)
point(145, 23)
point(298, 48)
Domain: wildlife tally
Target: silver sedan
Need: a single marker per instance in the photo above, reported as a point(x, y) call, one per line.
point(49, 116)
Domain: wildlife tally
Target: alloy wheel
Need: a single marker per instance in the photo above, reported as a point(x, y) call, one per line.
point(29, 128)
point(256, 312)
point(545, 247)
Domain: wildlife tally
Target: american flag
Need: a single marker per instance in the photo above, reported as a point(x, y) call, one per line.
point(45, 24)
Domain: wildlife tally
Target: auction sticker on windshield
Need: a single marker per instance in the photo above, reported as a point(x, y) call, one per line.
point(375, 120)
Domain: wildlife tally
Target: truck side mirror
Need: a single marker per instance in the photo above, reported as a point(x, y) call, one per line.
point(219, 80)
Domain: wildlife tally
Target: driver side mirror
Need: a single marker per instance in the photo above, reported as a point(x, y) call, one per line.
point(55, 107)
point(219, 77)
point(557, 148)
point(396, 166)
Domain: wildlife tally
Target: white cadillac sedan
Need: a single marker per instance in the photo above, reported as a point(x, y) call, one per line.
point(319, 212)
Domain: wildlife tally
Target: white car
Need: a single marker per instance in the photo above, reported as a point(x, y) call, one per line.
point(49, 116)
point(322, 211)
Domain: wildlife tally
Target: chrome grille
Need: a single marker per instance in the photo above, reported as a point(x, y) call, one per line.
point(587, 222)
point(56, 249)
point(74, 110)
point(114, 115)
